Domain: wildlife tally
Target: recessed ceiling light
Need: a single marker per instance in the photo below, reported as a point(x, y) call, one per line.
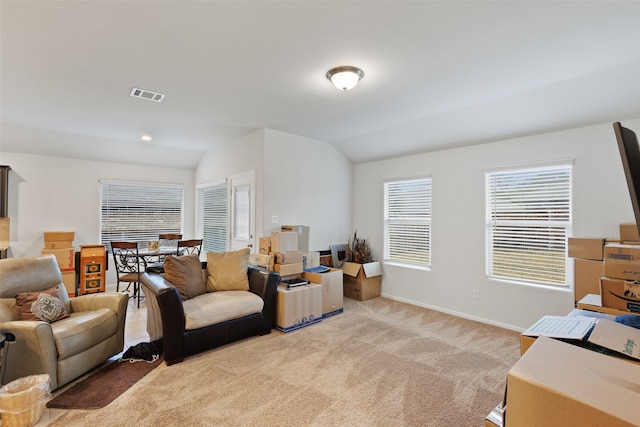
point(145, 138)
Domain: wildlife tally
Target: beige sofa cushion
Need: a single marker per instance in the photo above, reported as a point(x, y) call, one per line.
point(216, 307)
point(228, 270)
point(185, 273)
point(83, 330)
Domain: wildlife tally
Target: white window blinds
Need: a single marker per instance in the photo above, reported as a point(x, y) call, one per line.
point(407, 222)
point(528, 221)
point(139, 211)
point(213, 217)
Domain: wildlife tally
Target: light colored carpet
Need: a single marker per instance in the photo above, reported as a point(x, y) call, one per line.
point(380, 363)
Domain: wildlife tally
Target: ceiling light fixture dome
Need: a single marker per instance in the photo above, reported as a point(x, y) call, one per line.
point(345, 77)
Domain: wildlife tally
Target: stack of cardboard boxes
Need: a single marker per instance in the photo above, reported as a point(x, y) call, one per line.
point(616, 272)
point(588, 265)
point(557, 381)
point(60, 244)
point(287, 252)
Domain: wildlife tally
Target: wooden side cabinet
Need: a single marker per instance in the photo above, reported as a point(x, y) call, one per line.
point(93, 265)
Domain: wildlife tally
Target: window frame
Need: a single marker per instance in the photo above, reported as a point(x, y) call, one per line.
point(138, 231)
point(558, 223)
point(423, 239)
point(207, 244)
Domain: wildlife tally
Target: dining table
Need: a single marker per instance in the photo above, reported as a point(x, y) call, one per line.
point(147, 255)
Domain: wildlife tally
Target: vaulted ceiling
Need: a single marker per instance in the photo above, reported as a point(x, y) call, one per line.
point(438, 74)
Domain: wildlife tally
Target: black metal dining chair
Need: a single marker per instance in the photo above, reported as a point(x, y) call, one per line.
point(128, 266)
point(189, 247)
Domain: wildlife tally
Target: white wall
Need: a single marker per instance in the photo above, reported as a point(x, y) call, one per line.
point(242, 155)
point(600, 201)
point(300, 180)
point(55, 193)
point(307, 182)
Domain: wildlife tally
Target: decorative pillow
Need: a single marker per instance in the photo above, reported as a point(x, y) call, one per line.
point(227, 271)
point(185, 273)
point(46, 306)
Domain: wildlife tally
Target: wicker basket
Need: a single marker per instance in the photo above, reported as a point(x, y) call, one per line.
point(22, 401)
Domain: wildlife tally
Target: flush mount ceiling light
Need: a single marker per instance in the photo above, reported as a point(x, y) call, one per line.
point(146, 138)
point(345, 77)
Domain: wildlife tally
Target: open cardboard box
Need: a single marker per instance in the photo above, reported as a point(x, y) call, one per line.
point(362, 281)
point(596, 331)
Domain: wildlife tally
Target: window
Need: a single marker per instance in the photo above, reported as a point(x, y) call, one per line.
point(139, 211)
point(212, 217)
point(407, 222)
point(528, 221)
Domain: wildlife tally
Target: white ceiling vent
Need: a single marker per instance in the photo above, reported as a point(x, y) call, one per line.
point(147, 94)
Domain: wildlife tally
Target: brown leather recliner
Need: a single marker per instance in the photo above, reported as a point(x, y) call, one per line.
point(64, 349)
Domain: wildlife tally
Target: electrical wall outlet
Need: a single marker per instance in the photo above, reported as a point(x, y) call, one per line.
point(274, 219)
point(476, 294)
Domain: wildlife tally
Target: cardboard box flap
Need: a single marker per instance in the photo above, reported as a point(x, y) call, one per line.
point(372, 269)
point(617, 337)
point(351, 268)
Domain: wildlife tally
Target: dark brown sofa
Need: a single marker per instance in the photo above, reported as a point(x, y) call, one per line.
point(166, 316)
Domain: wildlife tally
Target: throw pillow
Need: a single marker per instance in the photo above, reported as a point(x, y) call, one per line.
point(46, 306)
point(227, 271)
point(185, 273)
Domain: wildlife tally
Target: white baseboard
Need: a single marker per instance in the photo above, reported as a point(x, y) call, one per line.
point(453, 313)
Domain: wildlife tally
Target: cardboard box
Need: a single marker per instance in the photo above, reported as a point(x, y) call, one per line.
point(261, 260)
point(559, 384)
point(559, 330)
point(629, 232)
point(362, 281)
point(526, 342)
point(59, 236)
point(593, 302)
point(284, 241)
point(303, 235)
point(265, 246)
point(623, 295)
point(69, 280)
point(298, 307)
point(65, 258)
point(288, 257)
point(288, 269)
point(332, 290)
point(587, 275)
point(58, 245)
point(622, 261)
point(310, 259)
point(585, 248)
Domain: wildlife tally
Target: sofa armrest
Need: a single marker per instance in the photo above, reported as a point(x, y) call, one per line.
point(264, 283)
point(165, 316)
point(32, 350)
point(114, 301)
